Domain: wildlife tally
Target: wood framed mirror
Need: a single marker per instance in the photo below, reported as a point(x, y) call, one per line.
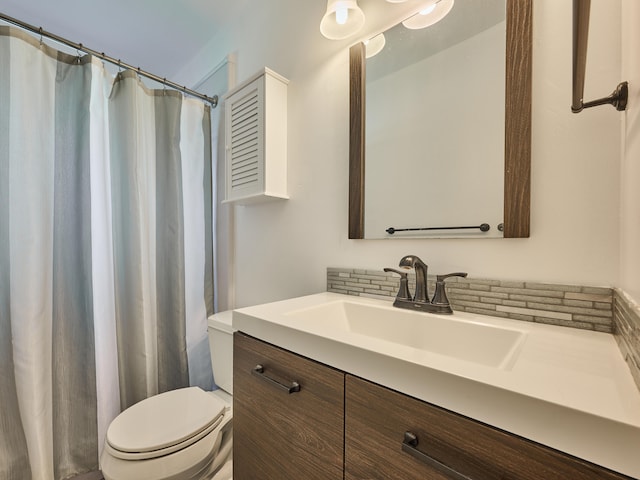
point(517, 126)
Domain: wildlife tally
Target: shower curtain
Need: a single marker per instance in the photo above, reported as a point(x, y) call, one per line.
point(105, 252)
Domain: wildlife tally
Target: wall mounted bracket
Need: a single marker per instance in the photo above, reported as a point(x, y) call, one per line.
point(581, 11)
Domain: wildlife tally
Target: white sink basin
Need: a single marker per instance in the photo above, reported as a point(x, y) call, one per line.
point(441, 334)
point(566, 388)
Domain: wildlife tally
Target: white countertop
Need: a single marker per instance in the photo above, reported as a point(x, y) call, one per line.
point(569, 389)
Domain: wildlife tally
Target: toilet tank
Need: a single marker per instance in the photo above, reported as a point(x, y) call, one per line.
point(221, 346)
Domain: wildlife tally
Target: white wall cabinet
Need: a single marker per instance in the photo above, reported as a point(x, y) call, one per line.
point(256, 139)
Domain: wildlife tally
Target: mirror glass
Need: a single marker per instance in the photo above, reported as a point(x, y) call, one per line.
point(436, 128)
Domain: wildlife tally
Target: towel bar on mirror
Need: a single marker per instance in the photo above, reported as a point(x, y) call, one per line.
point(581, 11)
point(484, 227)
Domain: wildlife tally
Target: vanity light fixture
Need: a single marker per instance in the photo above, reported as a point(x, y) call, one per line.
point(432, 12)
point(374, 45)
point(342, 19)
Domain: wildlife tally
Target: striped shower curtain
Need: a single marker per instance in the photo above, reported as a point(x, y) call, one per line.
point(105, 252)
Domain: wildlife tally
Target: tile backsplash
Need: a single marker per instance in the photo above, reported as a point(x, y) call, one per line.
point(627, 331)
point(601, 309)
point(575, 306)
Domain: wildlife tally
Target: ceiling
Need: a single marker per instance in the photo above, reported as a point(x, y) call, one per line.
point(405, 46)
point(159, 36)
point(164, 36)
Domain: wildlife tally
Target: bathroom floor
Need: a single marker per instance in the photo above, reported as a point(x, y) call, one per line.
point(89, 476)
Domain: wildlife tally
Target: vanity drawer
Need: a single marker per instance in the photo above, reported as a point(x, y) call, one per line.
point(377, 419)
point(282, 435)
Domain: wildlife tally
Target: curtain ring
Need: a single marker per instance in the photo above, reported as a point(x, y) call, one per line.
point(79, 52)
point(41, 39)
point(164, 87)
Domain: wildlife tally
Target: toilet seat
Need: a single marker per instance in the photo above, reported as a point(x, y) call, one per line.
point(164, 424)
point(191, 463)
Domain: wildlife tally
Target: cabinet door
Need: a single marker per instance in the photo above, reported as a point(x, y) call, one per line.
point(280, 435)
point(244, 130)
point(441, 445)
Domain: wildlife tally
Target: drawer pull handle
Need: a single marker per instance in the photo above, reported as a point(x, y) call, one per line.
point(258, 371)
point(410, 446)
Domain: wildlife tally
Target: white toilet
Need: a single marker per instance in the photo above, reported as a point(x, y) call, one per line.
point(183, 434)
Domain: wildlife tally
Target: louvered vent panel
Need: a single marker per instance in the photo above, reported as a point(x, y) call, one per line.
point(256, 139)
point(244, 145)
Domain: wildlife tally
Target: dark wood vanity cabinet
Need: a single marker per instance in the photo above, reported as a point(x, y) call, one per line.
point(280, 435)
point(382, 429)
point(340, 426)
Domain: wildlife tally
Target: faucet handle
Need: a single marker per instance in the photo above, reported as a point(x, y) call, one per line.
point(440, 295)
point(403, 291)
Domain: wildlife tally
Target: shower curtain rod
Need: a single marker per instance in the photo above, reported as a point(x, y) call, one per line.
point(81, 48)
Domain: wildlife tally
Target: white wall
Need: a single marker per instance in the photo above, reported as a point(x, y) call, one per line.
point(283, 249)
point(630, 170)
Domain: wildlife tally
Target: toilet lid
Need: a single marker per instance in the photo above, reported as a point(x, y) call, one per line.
point(165, 420)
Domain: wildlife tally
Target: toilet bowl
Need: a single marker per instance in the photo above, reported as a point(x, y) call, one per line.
point(183, 434)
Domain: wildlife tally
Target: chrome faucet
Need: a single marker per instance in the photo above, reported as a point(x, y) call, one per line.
point(420, 301)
